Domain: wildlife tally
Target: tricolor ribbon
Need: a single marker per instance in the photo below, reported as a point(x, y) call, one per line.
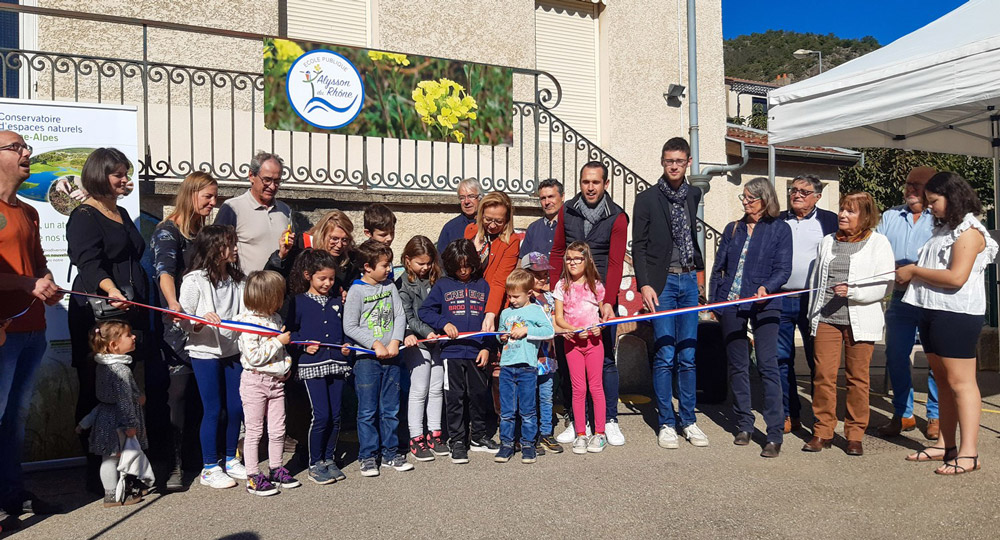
point(225, 324)
point(12, 317)
point(251, 328)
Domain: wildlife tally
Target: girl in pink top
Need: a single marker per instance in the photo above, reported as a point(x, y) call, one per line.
point(578, 295)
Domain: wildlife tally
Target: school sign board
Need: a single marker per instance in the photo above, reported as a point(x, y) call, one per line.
point(352, 91)
point(62, 135)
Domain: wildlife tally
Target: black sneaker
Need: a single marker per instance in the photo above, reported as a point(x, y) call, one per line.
point(437, 444)
point(419, 449)
point(484, 444)
point(549, 443)
point(539, 448)
point(458, 453)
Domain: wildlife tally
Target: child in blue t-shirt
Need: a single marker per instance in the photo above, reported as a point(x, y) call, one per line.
point(525, 325)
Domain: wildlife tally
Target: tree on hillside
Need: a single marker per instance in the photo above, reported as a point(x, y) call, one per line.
point(762, 57)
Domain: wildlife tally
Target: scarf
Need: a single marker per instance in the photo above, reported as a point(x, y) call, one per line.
point(109, 359)
point(856, 237)
point(680, 224)
point(591, 215)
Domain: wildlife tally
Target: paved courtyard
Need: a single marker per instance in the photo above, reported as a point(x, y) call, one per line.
point(635, 491)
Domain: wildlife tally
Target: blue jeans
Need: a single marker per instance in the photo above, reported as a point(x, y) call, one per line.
point(19, 361)
point(517, 396)
point(794, 314)
point(378, 389)
point(545, 384)
point(676, 339)
point(900, 330)
point(219, 385)
point(325, 396)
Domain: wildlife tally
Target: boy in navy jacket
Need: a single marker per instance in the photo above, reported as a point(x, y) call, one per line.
point(457, 304)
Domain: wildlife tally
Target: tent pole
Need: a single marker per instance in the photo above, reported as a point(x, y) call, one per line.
point(770, 164)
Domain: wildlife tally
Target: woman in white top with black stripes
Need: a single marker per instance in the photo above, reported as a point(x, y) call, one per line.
point(947, 284)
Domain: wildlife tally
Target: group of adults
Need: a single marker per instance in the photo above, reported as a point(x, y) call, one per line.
point(846, 264)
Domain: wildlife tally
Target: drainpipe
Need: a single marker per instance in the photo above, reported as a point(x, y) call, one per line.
point(693, 87)
point(701, 180)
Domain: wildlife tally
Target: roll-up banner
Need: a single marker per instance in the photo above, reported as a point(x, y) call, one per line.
point(62, 135)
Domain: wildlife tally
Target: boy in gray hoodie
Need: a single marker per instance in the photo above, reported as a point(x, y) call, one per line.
point(374, 319)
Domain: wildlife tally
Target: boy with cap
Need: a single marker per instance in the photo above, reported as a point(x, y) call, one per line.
point(538, 265)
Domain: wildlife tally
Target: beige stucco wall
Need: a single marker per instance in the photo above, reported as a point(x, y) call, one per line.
point(643, 47)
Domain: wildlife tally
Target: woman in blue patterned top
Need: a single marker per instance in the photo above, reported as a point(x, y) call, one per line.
point(171, 242)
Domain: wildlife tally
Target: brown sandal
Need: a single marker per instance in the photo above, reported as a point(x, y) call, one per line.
point(956, 469)
point(922, 456)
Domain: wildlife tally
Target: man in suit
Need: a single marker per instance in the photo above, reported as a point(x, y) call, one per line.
point(809, 225)
point(666, 258)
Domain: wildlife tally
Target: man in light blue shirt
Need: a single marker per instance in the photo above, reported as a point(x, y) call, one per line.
point(907, 227)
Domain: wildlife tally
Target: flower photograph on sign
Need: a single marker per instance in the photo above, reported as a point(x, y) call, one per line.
point(329, 88)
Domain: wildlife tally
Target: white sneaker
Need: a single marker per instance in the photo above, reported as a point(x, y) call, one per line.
point(667, 438)
point(215, 477)
point(235, 469)
point(567, 435)
point(695, 435)
point(614, 433)
point(580, 444)
point(597, 443)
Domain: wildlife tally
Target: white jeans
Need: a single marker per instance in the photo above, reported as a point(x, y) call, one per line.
point(426, 388)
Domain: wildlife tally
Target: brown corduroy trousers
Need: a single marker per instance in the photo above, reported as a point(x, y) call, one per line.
point(830, 341)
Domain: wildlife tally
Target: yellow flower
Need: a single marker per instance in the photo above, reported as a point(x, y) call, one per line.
point(448, 97)
point(398, 59)
point(287, 51)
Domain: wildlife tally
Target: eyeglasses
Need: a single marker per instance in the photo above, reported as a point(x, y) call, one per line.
point(491, 221)
point(17, 147)
point(464, 198)
point(338, 241)
point(268, 182)
point(914, 185)
point(747, 199)
point(677, 162)
point(796, 191)
point(575, 260)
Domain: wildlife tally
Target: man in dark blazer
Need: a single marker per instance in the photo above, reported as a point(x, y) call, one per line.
point(666, 258)
point(809, 225)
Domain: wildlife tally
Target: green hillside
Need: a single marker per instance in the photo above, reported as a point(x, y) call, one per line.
point(762, 57)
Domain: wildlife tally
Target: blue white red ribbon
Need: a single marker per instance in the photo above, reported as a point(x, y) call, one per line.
point(250, 328)
point(225, 324)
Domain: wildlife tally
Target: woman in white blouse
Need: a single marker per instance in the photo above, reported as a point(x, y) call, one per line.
point(947, 284)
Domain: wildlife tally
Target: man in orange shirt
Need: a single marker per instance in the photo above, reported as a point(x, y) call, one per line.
point(27, 286)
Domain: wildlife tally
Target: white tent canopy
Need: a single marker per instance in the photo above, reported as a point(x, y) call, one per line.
point(935, 89)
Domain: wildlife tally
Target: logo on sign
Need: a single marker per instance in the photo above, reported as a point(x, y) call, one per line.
point(325, 89)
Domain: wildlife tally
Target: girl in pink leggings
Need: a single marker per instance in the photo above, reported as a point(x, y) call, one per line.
point(578, 295)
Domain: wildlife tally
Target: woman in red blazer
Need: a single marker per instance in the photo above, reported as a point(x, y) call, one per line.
point(498, 246)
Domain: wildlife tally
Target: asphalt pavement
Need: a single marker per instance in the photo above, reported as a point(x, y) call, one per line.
point(635, 491)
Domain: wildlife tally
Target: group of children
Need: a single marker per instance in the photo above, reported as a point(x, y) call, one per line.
point(335, 333)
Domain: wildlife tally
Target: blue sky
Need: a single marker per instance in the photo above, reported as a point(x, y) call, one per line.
point(886, 20)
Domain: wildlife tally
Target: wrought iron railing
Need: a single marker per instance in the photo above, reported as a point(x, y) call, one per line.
point(211, 119)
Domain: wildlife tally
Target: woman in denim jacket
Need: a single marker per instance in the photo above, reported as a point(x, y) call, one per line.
point(754, 259)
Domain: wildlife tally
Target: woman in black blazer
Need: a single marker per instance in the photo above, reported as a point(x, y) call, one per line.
point(106, 248)
point(754, 259)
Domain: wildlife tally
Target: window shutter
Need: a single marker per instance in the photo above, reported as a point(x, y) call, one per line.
point(344, 22)
point(566, 38)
